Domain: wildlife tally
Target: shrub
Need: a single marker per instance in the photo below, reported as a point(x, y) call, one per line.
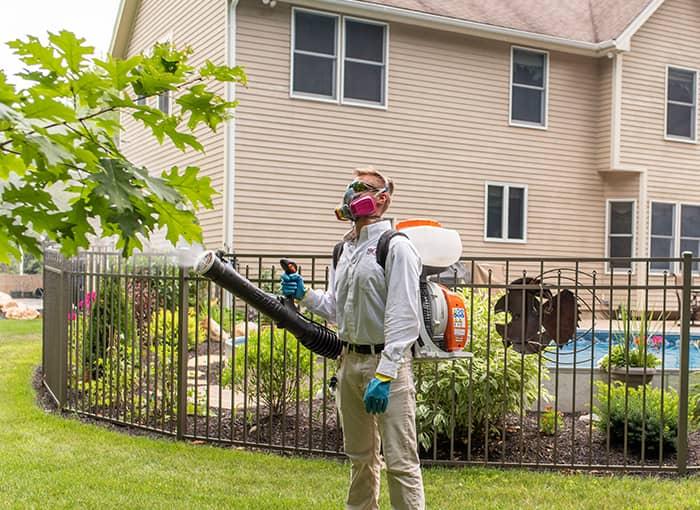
point(276, 376)
point(483, 393)
point(694, 406)
point(640, 408)
point(550, 421)
point(164, 326)
point(635, 357)
point(110, 319)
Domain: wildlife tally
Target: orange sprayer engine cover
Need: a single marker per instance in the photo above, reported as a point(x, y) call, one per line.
point(457, 328)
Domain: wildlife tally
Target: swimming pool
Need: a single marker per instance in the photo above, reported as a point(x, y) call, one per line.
point(583, 349)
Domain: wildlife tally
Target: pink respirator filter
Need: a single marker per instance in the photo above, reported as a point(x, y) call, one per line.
point(365, 206)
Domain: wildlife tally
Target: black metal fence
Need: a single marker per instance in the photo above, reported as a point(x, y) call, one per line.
point(146, 343)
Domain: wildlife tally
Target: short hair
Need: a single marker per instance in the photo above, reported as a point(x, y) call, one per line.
point(370, 170)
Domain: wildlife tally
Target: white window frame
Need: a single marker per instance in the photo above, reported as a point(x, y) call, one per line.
point(675, 244)
point(339, 62)
point(675, 138)
point(608, 268)
point(292, 50)
point(545, 119)
point(679, 219)
point(385, 64)
point(504, 217)
point(675, 267)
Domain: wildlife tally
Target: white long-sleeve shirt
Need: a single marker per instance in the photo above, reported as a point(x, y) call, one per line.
point(371, 305)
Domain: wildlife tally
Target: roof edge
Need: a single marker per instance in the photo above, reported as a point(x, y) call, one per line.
point(625, 38)
point(464, 26)
point(122, 27)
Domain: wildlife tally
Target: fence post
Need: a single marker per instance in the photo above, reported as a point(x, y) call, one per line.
point(182, 355)
point(684, 364)
point(64, 310)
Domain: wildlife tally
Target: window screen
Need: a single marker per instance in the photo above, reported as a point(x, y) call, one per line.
point(620, 233)
point(315, 52)
point(505, 212)
point(528, 89)
point(681, 104)
point(364, 67)
point(690, 231)
point(662, 234)
point(164, 102)
point(494, 212)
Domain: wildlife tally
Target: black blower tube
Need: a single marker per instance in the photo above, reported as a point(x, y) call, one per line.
point(313, 336)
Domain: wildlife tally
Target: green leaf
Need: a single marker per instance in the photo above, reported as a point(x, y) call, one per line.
point(223, 73)
point(11, 163)
point(51, 109)
point(204, 107)
point(8, 247)
point(7, 90)
point(196, 189)
point(71, 48)
point(179, 223)
point(33, 53)
point(119, 71)
point(114, 184)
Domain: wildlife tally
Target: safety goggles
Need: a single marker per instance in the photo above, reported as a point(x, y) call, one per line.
point(359, 186)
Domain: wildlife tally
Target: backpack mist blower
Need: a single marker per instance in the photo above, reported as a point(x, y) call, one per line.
point(444, 329)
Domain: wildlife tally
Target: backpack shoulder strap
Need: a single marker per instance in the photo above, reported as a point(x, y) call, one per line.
point(383, 245)
point(337, 252)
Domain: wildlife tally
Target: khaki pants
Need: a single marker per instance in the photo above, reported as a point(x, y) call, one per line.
point(364, 434)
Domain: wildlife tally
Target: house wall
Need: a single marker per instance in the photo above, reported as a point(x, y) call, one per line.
point(201, 25)
point(670, 37)
point(444, 134)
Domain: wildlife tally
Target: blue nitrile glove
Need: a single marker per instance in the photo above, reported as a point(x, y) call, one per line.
point(293, 285)
point(376, 396)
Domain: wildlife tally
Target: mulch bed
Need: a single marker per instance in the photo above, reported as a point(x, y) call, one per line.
point(575, 443)
point(276, 432)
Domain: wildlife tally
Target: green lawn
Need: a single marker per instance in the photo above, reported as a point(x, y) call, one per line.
point(51, 462)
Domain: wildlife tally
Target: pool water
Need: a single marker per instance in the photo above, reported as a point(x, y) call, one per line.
point(583, 349)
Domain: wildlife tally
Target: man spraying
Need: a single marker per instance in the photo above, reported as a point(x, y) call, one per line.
point(377, 311)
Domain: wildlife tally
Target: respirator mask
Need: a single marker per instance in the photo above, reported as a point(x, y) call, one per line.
point(355, 206)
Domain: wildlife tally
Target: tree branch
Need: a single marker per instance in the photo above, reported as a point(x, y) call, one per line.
point(100, 112)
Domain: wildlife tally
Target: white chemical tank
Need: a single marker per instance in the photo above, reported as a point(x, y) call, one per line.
point(438, 247)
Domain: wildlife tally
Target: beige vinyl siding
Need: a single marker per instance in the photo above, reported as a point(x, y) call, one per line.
point(444, 134)
point(670, 37)
point(201, 25)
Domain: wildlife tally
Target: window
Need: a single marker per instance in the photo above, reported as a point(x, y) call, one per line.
point(620, 227)
point(681, 100)
point(141, 100)
point(528, 94)
point(317, 70)
point(690, 230)
point(315, 54)
point(663, 229)
point(364, 66)
point(164, 102)
point(506, 212)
